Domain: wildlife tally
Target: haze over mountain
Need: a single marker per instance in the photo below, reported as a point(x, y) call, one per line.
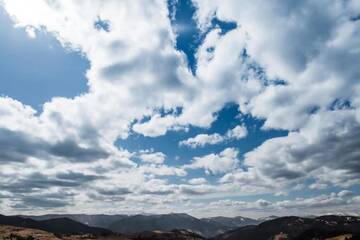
point(233, 222)
point(97, 220)
point(166, 222)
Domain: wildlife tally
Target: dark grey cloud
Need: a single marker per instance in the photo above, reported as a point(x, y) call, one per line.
point(45, 200)
point(71, 150)
point(29, 202)
point(164, 65)
point(337, 150)
point(333, 147)
point(158, 192)
point(77, 176)
point(17, 146)
point(105, 198)
point(114, 192)
point(285, 173)
point(38, 181)
point(196, 190)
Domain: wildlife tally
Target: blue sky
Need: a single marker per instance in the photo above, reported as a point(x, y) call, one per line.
point(187, 107)
point(35, 70)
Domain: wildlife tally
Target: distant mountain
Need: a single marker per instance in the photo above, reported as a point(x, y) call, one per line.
point(166, 227)
point(268, 218)
point(166, 222)
point(297, 228)
point(95, 220)
point(59, 226)
point(149, 222)
point(231, 222)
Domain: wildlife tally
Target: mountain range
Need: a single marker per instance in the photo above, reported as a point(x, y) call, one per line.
point(59, 226)
point(186, 227)
point(298, 228)
point(206, 227)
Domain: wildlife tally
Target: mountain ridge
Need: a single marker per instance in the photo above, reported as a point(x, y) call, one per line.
point(288, 227)
point(297, 228)
point(55, 225)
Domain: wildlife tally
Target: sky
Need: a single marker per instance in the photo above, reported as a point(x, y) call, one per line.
point(205, 107)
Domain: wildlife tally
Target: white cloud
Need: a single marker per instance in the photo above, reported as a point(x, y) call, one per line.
point(237, 132)
point(162, 170)
point(308, 59)
point(223, 162)
point(197, 190)
point(153, 157)
point(345, 194)
point(158, 126)
point(201, 140)
point(198, 181)
point(31, 32)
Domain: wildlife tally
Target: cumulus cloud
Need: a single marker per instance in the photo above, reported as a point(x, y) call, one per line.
point(197, 181)
point(326, 144)
point(223, 162)
point(201, 140)
point(237, 132)
point(153, 157)
point(162, 170)
point(345, 194)
point(197, 190)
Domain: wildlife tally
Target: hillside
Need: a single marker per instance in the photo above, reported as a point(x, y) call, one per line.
point(11, 232)
point(297, 228)
point(57, 225)
point(19, 233)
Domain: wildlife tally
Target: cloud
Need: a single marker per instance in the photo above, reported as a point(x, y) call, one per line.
point(314, 46)
point(201, 140)
point(223, 162)
point(162, 170)
point(237, 132)
point(114, 191)
point(17, 146)
point(300, 206)
point(41, 202)
point(157, 187)
point(31, 32)
point(198, 181)
point(158, 125)
point(325, 150)
point(155, 157)
point(345, 194)
point(197, 190)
